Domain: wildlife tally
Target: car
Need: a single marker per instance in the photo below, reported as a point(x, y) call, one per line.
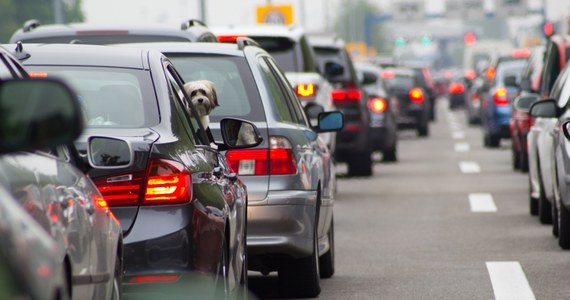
point(473, 100)
point(457, 92)
point(540, 139)
point(290, 177)
point(519, 126)
point(289, 46)
point(384, 128)
point(497, 101)
point(34, 32)
point(412, 109)
point(40, 170)
point(425, 81)
point(353, 143)
point(163, 168)
point(478, 56)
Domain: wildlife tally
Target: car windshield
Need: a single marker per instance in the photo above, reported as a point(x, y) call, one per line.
point(109, 97)
point(235, 85)
point(511, 68)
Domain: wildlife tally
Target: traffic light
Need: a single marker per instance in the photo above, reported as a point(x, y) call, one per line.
point(469, 38)
point(548, 29)
point(400, 42)
point(425, 40)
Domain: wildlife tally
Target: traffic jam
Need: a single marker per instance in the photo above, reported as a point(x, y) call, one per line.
point(394, 150)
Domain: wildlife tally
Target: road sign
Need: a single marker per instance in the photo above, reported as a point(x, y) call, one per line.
point(275, 14)
point(409, 10)
point(511, 8)
point(464, 9)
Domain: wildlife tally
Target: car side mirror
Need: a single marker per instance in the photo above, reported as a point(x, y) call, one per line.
point(566, 129)
point(524, 102)
point(544, 109)
point(511, 81)
point(239, 134)
point(333, 69)
point(330, 121)
point(37, 114)
point(313, 110)
point(109, 153)
point(368, 78)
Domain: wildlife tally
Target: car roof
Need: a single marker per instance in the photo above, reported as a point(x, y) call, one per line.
point(192, 31)
point(85, 55)
point(330, 41)
point(181, 47)
point(269, 30)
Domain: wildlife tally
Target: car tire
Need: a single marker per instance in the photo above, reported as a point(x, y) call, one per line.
point(494, 140)
point(423, 129)
point(544, 206)
point(533, 202)
point(326, 261)
point(390, 154)
point(523, 162)
point(554, 221)
point(564, 227)
point(299, 277)
point(515, 159)
point(361, 164)
point(117, 292)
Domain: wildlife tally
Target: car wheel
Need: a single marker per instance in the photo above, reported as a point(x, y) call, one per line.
point(544, 206)
point(564, 227)
point(494, 140)
point(300, 277)
point(533, 202)
point(361, 164)
point(390, 154)
point(554, 221)
point(222, 285)
point(523, 156)
point(515, 159)
point(486, 140)
point(117, 279)
point(423, 129)
point(326, 262)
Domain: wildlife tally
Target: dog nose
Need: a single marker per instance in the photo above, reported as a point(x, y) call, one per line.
point(200, 100)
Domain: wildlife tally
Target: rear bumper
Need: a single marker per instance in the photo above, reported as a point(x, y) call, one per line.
point(284, 227)
point(350, 142)
point(381, 138)
point(411, 117)
point(456, 100)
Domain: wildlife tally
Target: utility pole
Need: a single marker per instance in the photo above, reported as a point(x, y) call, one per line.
point(58, 11)
point(203, 11)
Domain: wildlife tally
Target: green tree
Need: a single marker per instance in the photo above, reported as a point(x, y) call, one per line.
point(350, 23)
point(13, 13)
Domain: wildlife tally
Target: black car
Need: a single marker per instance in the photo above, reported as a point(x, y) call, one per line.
point(181, 208)
point(77, 241)
point(425, 82)
point(33, 32)
point(383, 125)
point(413, 108)
point(353, 144)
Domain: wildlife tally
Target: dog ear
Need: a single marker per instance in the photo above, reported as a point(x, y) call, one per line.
point(214, 94)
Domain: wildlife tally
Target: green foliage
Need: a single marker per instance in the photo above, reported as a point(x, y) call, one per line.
point(13, 13)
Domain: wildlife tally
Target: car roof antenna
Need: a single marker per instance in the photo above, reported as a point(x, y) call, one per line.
point(20, 53)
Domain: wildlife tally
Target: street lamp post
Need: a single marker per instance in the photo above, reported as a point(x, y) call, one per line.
point(58, 11)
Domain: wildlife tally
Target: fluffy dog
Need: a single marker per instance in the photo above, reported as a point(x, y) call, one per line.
point(203, 97)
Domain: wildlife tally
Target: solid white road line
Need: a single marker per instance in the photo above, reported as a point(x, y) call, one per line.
point(458, 135)
point(482, 202)
point(509, 281)
point(462, 147)
point(469, 167)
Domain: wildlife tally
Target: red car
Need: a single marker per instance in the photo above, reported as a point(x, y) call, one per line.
point(519, 126)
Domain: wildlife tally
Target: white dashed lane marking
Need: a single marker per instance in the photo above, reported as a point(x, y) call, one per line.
point(482, 202)
point(469, 167)
point(462, 147)
point(509, 281)
point(458, 135)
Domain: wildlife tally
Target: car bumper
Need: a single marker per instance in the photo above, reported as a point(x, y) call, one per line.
point(456, 100)
point(284, 227)
point(381, 138)
point(411, 117)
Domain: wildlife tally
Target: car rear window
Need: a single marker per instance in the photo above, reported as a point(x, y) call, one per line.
point(105, 39)
point(283, 50)
point(235, 86)
point(109, 97)
point(338, 55)
point(399, 82)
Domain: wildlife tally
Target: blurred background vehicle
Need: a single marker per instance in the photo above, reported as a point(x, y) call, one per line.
point(383, 125)
point(457, 91)
point(425, 82)
point(163, 167)
point(473, 97)
point(519, 126)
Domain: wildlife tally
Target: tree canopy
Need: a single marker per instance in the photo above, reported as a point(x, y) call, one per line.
point(13, 13)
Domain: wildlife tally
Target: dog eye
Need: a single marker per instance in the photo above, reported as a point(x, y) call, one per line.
point(193, 93)
point(202, 91)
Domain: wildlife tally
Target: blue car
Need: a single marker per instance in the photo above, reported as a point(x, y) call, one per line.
point(497, 102)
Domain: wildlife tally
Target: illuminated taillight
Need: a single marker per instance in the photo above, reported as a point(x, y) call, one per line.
point(490, 73)
point(377, 105)
point(456, 88)
point(154, 278)
point(500, 97)
point(121, 189)
point(306, 90)
point(38, 74)
point(278, 160)
point(387, 74)
point(520, 53)
point(168, 182)
point(345, 96)
point(470, 74)
point(416, 95)
point(228, 38)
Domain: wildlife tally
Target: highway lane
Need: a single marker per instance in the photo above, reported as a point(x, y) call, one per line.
point(448, 221)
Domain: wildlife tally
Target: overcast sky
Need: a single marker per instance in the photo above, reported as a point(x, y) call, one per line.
point(225, 12)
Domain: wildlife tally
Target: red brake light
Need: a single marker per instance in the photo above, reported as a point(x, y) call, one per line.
point(377, 105)
point(387, 74)
point(154, 278)
point(456, 88)
point(416, 95)
point(38, 74)
point(278, 160)
point(520, 53)
point(470, 74)
point(500, 97)
point(490, 73)
point(229, 38)
point(344, 96)
point(306, 90)
point(168, 182)
point(121, 189)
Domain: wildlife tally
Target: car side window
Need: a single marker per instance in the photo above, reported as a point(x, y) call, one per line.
point(550, 67)
point(5, 71)
point(277, 97)
point(561, 90)
point(291, 98)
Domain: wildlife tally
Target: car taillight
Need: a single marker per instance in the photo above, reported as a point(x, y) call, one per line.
point(500, 97)
point(475, 98)
point(387, 74)
point(167, 182)
point(228, 38)
point(416, 95)
point(345, 96)
point(306, 90)
point(490, 73)
point(456, 88)
point(278, 160)
point(377, 105)
point(154, 278)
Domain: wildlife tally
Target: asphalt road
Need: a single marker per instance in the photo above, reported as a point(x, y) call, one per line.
point(411, 231)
